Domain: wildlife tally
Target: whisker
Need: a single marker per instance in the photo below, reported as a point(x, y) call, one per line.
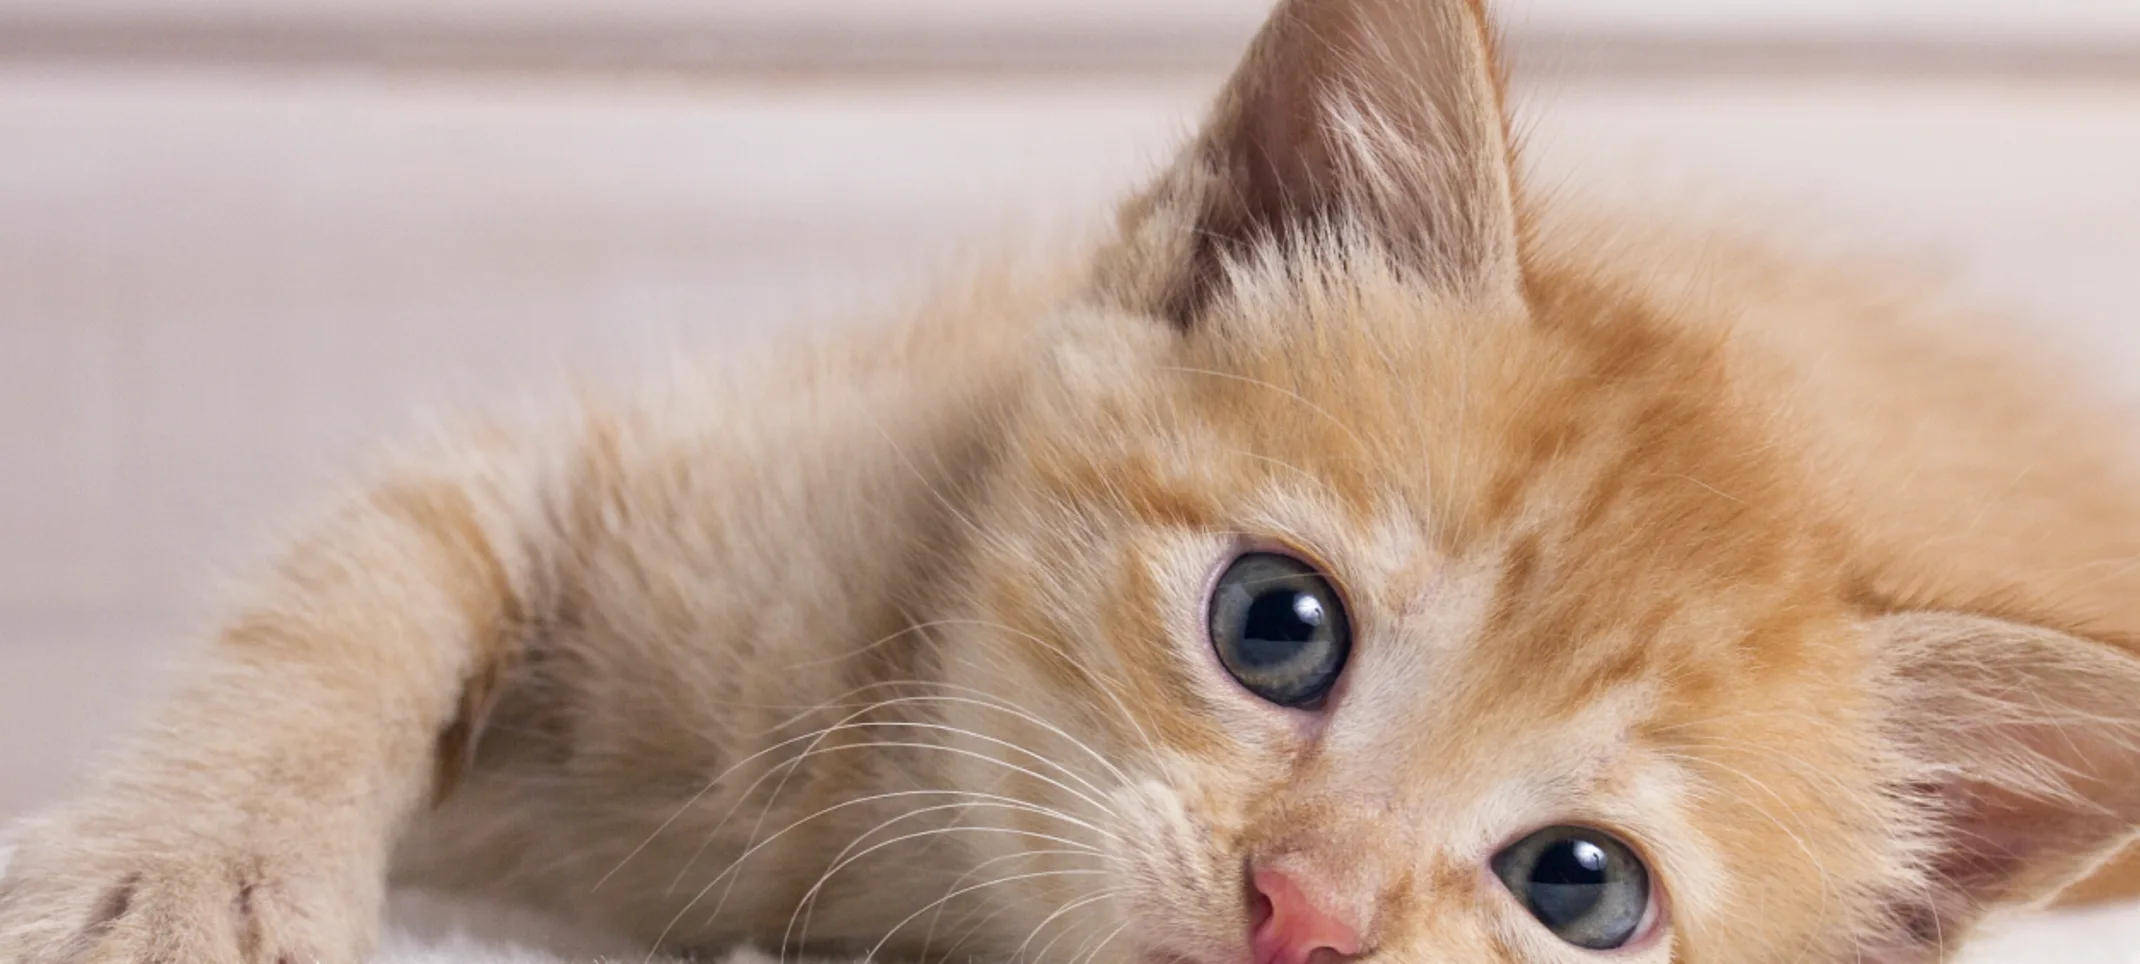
point(729, 872)
point(1102, 945)
point(1028, 716)
point(929, 938)
point(1087, 901)
point(932, 905)
point(807, 905)
point(707, 788)
point(789, 767)
point(1105, 685)
point(978, 697)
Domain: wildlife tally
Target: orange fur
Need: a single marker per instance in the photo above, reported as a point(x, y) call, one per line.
point(1812, 595)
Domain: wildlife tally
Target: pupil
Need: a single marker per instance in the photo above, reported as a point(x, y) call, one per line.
point(1569, 884)
point(1573, 862)
point(1278, 625)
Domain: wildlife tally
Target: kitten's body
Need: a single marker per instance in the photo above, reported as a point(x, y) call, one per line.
point(820, 573)
point(1624, 517)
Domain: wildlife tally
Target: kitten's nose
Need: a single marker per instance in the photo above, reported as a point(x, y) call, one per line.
point(1288, 925)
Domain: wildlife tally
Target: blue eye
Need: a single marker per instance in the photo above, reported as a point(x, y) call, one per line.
point(1280, 629)
point(1586, 887)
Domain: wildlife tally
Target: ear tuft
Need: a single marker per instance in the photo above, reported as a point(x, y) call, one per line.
point(1376, 117)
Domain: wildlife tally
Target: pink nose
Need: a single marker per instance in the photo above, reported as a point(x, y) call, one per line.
point(1289, 927)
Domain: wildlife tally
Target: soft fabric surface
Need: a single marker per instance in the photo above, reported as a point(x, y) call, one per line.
point(434, 929)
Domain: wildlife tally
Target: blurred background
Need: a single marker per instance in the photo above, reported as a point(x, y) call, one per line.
point(239, 238)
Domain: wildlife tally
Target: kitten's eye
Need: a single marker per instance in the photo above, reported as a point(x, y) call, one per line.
point(1280, 628)
point(1586, 887)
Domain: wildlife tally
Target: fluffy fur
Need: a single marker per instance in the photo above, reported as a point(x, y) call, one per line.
point(893, 646)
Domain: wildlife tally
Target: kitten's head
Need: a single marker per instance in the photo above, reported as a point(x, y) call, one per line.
point(1413, 599)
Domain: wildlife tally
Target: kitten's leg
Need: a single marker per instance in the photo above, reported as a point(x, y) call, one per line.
point(254, 822)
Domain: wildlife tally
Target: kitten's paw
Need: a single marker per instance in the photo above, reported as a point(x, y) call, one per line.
point(85, 901)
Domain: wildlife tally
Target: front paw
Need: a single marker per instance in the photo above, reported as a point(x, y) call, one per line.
point(70, 898)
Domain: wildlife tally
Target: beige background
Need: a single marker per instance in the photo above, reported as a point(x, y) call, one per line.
point(240, 237)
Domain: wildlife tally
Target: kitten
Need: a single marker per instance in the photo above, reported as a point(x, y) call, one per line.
point(1351, 558)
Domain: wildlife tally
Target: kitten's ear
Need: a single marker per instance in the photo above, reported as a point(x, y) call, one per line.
point(1378, 115)
point(2030, 744)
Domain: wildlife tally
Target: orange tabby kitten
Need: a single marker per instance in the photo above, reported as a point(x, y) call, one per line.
point(1352, 559)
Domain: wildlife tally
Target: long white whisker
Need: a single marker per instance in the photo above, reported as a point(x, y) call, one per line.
point(932, 905)
point(1094, 954)
point(1004, 707)
point(1105, 685)
point(730, 871)
point(787, 769)
point(1087, 901)
point(975, 696)
point(709, 785)
point(930, 938)
point(793, 765)
point(806, 907)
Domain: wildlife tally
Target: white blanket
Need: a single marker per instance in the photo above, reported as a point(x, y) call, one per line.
point(433, 929)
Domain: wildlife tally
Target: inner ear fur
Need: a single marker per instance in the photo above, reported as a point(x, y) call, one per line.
point(2027, 747)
